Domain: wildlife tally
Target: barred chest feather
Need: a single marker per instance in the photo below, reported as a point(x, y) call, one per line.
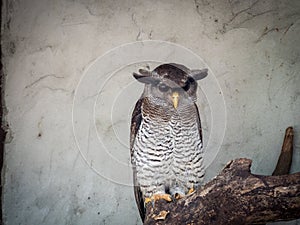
point(168, 153)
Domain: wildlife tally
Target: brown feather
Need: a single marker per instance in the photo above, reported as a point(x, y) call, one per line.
point(199, 123)
point(135, 124)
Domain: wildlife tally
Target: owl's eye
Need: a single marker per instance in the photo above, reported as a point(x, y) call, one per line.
point(186, 87)
point(163, 87)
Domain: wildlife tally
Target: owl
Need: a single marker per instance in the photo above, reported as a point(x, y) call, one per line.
point(165, 137)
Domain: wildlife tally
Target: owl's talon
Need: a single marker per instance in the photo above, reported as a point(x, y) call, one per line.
point(178, 196)
point(166, 197)
point(191, 191)
point(147, 200)
point(156, 197)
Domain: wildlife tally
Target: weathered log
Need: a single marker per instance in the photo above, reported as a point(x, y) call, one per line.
point(235, 196)
point(285, 159)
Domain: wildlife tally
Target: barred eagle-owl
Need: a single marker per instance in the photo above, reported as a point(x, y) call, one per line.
point(166, 138)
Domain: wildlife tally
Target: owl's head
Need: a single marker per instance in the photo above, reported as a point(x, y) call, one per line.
point(171, 84)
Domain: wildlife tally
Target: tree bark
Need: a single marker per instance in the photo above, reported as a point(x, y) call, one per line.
point(236, 196)
point(285, 159)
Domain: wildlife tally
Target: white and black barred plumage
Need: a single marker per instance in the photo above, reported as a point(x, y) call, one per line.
point(166, 137)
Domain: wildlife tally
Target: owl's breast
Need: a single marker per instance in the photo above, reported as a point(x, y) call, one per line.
point(153, 143)
point(187, 150)
point(169, 151)
point(186, 134)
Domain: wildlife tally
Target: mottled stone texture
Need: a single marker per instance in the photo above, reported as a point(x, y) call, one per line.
point(251, 46)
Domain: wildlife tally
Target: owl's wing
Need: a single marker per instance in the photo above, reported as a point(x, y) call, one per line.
point(136, 120)
point(199, 123)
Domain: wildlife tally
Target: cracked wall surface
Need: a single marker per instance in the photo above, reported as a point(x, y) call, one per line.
point(252, 47)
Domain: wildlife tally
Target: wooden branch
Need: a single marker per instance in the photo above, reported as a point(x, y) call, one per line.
point(235, 196)
point(284, 162)
point(285, 159)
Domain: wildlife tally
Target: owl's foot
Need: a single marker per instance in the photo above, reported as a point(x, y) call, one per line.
point(156, 197)
point(192, 190)
point(178, 196)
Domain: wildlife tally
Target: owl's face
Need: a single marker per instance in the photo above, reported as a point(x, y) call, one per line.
point(171, 85)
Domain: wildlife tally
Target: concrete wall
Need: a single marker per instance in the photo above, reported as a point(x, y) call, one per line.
point(68, 111)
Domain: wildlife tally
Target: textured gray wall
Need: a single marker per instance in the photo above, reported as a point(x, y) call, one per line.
point(60, 104)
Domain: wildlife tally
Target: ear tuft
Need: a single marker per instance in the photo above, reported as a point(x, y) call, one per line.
point(145, 72)
point(199, 74)
point(146, 79)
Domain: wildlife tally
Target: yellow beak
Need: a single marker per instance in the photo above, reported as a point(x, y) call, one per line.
point(175, 99)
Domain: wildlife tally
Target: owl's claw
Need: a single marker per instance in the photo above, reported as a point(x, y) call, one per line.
point(191, 191)
point(156, 197)
point(147, 200)
point(178, 196)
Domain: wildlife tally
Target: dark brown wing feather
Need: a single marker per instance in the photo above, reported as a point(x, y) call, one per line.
point(199, 123)
point(136, 120)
